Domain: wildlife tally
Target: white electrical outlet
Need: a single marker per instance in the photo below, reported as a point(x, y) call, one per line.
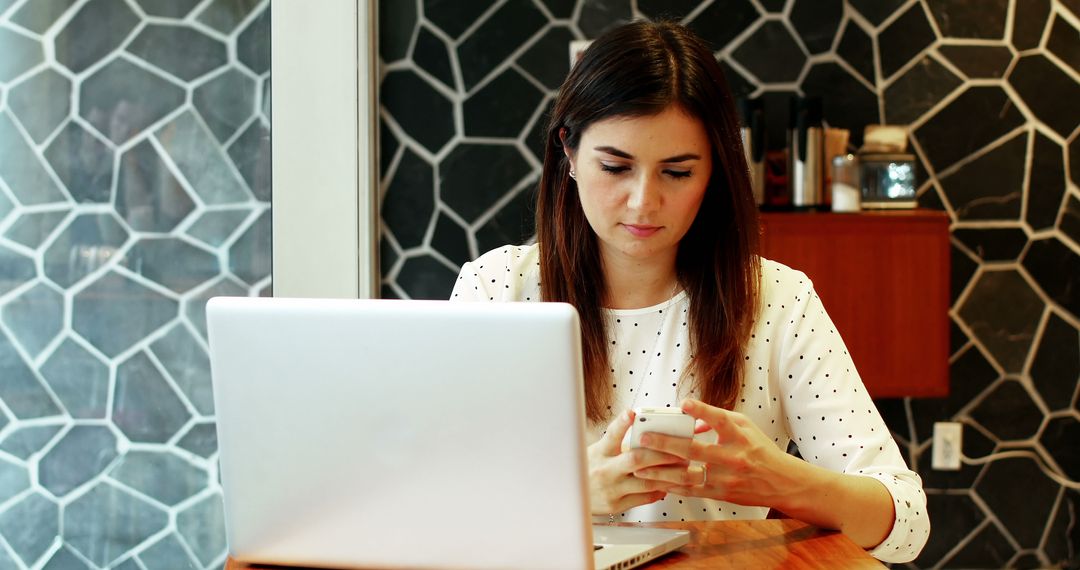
point(947, 446)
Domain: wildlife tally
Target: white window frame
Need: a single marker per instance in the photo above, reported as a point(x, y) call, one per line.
point(325, 223)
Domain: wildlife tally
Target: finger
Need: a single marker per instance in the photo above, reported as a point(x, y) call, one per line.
point(611, 443)
point(694, 491)
point(719, 419)
point(642, 458)
point(637, 499)
point(682, 447)
point(636, 486)
point(701, 427)
point(700, 485)
point(679, 476)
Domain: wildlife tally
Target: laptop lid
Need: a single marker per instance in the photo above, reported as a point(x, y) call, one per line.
point(401, 433)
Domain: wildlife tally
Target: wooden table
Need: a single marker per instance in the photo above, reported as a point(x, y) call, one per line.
point(774, 543)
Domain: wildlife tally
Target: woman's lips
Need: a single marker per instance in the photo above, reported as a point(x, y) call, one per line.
point(641, 230)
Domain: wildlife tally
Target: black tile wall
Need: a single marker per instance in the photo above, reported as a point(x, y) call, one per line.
point(410, 199)
point(424, 113)
point(667, 9)
point(1029, 23)
point(987, 91)
point(1027, 504)
point(857, 49)
point(937, 136)
point(473, 177)
point(993, 244)
point(1057, 363)
point(721, 22)
point(847, 103)
point(1005, 329)
point(1046, 186)
point(952, 518)
point(991, 186)
point(1055, 267)
point(547, 60)
point(904, 38)
point(987, 548)
point(876, 11)
point(1074, 160)
point(773, 5)
point(450, 239)
point(918, 90)
point(396, 22)
point(1064, 42)
point(431, 55)
point(560, 8)
point(1049, 91)
point(497, 38)
point(450, 16)
point(1008, 412)
point(816, 22)
point(1070, 219)
point(1059, 438)
point(502, 107)
point(978, 62)
point(964, 19)
point(771, 54)
point(1061, 540)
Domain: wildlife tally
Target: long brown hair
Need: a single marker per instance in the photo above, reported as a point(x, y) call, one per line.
point(639, 69)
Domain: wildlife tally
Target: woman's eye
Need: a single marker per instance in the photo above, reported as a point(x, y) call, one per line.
point(678, 173)
point(613, 169)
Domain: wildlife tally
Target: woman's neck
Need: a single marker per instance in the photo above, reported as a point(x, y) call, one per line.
point(637, 283)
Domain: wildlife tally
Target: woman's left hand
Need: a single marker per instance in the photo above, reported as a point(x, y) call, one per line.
point(743, 467)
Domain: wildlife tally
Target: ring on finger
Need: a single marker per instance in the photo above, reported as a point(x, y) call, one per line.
point(704, 473)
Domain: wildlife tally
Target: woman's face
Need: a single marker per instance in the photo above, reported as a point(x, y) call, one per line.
point(641, 181)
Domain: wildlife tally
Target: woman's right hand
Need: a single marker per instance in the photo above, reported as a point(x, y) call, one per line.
point(613, 488)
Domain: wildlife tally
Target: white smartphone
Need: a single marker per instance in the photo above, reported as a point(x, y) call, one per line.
point(668, 421)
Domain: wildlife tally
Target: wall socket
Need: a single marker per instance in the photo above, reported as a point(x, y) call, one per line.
point(947, 447)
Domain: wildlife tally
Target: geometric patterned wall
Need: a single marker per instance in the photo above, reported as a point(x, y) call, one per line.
point(134, 185)
point(990, 91)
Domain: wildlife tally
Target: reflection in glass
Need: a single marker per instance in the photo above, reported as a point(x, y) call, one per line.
point(134, 186)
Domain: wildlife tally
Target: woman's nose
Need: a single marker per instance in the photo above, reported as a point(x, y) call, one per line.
point(645, 194)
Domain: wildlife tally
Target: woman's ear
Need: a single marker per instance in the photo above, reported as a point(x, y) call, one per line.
point(563, 132)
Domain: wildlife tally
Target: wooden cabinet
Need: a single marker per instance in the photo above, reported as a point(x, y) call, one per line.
point(884, 279)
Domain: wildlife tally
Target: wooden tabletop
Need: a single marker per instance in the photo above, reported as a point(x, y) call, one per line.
point(774, 543)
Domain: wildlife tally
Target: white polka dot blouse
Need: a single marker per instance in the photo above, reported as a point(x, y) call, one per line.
point(799, 385)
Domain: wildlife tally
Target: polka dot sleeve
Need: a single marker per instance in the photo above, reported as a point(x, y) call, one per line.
point(506, 274)
point(469, 285)
point(835, 423)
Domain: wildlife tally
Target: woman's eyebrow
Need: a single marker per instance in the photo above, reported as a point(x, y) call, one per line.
point(623, 154)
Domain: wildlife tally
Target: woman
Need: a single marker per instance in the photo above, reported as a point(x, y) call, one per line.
point(647, 225)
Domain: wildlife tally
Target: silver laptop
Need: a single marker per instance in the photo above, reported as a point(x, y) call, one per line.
point(415, 434)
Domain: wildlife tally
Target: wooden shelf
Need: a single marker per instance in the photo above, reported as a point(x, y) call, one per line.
point(884, 279)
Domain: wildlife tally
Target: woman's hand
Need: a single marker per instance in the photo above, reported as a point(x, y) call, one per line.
point(743, 467)
point(613, 488)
